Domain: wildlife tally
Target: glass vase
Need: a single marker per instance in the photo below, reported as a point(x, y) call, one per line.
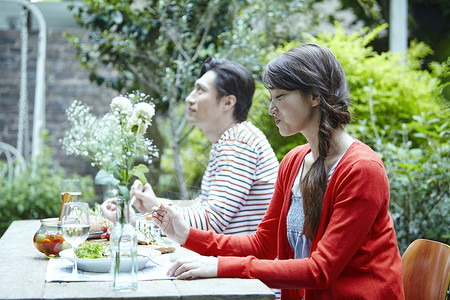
point(48, 238)
point(123, 244)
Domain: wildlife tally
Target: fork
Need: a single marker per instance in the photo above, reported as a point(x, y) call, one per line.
point(146, 254)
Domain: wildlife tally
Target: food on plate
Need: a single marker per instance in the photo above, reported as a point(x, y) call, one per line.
point(93, 250)
point(145, 236)
point(161, 248)
point(105, 233)
point(98, 222)
point(144, 228)
point(100, 227)
point(100, 249)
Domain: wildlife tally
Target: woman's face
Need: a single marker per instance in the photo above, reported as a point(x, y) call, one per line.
point(294, 111)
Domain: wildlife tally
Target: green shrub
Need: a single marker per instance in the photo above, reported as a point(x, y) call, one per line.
point(419, 180)
point(35, 193)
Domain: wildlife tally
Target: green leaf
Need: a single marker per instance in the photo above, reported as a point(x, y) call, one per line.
point(104, 178)
point(118, 174)
point(139, 171)
point(117, 17)
point(420, 135)
point(123, 190)
point(123, 175)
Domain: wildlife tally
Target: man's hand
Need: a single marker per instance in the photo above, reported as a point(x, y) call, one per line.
point(108, 209)
point(145, 196)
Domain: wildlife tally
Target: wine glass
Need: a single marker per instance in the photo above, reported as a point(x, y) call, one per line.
point(71, 186)
point(75, 226)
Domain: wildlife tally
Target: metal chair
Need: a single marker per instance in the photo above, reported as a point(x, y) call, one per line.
point(426, 270)
point(14, 161)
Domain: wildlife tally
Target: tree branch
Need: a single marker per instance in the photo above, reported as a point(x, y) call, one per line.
point(211, 14)
point(142, 78)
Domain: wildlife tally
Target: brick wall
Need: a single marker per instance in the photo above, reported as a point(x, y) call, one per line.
point(66, 80)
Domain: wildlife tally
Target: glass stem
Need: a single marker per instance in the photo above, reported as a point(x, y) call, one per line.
point(75, 266)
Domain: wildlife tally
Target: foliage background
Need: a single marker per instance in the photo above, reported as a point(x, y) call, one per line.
point(34, 193)
point(398, 109)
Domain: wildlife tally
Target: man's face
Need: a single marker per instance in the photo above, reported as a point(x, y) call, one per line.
point(203, 105)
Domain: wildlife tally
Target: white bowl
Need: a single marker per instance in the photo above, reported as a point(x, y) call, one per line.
point(102, 265)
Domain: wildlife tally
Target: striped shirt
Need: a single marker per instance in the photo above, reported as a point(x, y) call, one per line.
point(238, 183)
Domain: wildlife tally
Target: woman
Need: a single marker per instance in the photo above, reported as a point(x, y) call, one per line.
point(328, 222)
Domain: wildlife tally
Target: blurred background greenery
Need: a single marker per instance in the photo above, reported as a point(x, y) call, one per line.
point(399, 108)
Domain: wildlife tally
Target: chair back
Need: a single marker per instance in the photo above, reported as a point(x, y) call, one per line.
point(426, 267)
point(14, 161)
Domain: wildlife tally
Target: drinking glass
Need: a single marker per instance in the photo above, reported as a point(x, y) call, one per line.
point(75, 226)
point(71, 186)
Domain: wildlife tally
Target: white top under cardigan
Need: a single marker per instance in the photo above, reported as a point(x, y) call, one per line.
point(296, 217)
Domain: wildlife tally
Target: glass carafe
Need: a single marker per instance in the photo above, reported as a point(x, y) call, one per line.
point(123, 243)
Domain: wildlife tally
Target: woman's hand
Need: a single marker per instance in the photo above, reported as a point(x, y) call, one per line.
point(171, 223)
point(145, 196)
point(193, 267)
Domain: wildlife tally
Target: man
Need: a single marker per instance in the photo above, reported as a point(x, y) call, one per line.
point(239, 180)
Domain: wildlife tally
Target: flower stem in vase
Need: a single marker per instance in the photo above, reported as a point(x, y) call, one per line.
point(123, 242)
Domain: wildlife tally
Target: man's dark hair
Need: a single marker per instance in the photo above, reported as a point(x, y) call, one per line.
point(234, 79)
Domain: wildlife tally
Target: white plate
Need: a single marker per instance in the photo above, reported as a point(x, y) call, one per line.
point(102, 265)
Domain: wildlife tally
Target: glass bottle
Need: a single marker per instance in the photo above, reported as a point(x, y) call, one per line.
point(123, 243)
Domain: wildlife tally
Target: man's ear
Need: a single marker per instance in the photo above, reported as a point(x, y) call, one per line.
point(229, 101)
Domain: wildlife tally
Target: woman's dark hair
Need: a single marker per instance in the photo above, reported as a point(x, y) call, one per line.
point(232, 78)
point(314, 68)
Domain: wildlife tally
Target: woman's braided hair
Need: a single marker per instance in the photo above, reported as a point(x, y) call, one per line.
point(312, 68)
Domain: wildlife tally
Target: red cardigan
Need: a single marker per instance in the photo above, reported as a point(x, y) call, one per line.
point(354, 254)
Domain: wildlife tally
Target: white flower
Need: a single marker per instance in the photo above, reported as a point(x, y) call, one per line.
point(115, 141)
point(144, 110)
point(142, 128)
point(132, 121)
point(121, 104)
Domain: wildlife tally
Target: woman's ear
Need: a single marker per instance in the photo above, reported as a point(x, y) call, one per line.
point(315, 99)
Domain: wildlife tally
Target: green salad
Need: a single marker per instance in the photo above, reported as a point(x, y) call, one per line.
point(93, 250)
